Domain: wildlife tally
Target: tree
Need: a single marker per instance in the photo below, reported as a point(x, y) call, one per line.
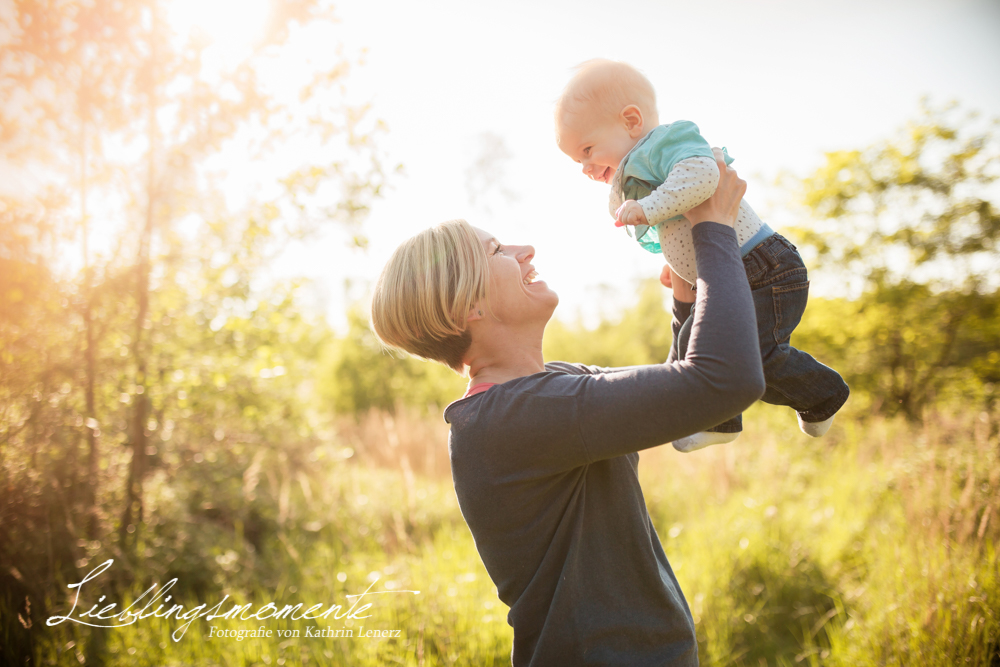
point(912, 224)
point(116, 117)
point(357, 374)
point(642, 336)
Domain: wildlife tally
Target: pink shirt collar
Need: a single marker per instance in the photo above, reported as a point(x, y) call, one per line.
point(478, 388)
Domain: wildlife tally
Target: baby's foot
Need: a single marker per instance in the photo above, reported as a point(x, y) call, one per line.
point(703, 439)
point(815, 429)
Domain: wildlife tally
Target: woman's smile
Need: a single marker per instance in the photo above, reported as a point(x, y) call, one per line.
point(510, 263)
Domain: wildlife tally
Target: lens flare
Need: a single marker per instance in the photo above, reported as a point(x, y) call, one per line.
point(229, 26)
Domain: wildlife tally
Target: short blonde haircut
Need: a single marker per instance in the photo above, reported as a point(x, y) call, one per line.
point(423, 297)
point(607, 87)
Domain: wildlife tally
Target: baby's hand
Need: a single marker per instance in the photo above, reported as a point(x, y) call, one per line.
point(630, 213)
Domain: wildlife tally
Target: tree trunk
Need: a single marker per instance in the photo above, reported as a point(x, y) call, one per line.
point(137, 437)
point(133, 511)
point(90, 360)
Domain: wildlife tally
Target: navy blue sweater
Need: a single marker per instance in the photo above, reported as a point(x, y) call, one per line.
point(545, 470)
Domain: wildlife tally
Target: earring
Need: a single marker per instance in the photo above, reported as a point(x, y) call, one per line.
point(480, 313)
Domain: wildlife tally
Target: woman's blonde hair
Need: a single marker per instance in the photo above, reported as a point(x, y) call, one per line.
point(423, 297)
point(607, 86)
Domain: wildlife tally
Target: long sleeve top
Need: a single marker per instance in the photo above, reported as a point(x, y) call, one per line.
point(546, 473)
point(670, 171)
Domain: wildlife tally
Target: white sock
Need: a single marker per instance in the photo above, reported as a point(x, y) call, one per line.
point(815, 429)
point(703, 439)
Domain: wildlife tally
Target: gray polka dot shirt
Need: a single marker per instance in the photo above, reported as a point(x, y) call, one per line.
point(688, 184)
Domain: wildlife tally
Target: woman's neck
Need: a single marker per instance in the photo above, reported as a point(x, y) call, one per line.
point(507, 361)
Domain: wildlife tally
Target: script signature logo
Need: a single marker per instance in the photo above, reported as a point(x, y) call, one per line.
point(107, 617)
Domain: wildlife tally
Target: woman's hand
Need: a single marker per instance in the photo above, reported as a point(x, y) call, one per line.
point(666, 277)
point(723, 206)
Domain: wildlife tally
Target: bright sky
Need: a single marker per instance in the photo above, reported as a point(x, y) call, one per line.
point(776, 82)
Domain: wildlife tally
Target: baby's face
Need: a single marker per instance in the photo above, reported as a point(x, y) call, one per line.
point(597, 144)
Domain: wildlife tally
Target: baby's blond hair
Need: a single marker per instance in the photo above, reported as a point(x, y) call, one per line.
point(607, 86)
point(422, 299)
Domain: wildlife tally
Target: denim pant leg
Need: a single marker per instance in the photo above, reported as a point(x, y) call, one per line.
point(733, 425)
point(780, 287)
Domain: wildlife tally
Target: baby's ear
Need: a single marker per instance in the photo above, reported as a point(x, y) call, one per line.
point(631, 116)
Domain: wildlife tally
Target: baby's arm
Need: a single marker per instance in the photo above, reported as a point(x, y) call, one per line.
point(689, 183)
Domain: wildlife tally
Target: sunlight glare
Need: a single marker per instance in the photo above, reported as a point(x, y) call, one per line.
point(230, 26)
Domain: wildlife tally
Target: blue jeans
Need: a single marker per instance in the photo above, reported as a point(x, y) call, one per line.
point(780, 288)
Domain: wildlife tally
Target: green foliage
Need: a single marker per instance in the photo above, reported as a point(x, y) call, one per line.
point(913, 223)
point(860, 551)
point(905, 347)
point(877, 547)
point(642, 336)
point(917, 208)
point(358, 374)
point(226, 407)
point(159, 407)
point(144, 396)
point(893, 347)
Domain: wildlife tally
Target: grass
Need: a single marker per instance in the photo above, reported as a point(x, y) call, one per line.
point(876, 545)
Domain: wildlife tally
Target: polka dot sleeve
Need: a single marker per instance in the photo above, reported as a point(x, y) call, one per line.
point(688, 184)
point(678, 246)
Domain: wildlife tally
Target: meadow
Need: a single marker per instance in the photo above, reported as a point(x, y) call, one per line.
point(170, 402)
point(876, 545)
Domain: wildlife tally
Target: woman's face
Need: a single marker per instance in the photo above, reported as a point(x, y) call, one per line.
point(516, 297)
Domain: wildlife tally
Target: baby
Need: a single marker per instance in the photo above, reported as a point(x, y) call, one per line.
point(606, 120)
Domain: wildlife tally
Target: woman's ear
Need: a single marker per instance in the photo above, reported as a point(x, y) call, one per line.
point(475, 313)
point(631, 116)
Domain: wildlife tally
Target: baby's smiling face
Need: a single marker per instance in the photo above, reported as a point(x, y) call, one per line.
point(599, 143)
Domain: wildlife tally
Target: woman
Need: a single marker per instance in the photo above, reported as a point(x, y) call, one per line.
point(544, 455)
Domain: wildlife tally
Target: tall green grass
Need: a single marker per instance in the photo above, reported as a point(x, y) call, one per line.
point(873, 546)
point(876, 545)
